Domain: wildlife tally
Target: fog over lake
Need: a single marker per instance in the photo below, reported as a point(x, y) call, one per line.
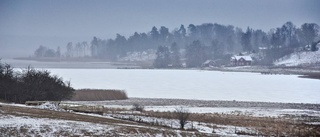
point(197, 84)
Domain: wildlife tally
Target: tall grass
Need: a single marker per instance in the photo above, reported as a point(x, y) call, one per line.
point(98, 95)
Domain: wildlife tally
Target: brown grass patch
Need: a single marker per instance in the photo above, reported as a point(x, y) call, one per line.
point(98, 95)
point(266, 126)
point(121, 127)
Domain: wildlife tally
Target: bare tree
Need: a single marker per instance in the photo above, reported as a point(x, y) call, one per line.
point(137, 107)
point(182, 114)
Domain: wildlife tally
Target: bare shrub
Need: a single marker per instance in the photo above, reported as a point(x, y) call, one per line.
point(31, 84)
point(137, 107)
point(182, 115)
point(98, 95)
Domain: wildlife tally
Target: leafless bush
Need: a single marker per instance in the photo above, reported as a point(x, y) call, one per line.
point(31, 84)
point(182, 115)
point(98, 95)
point(137, 107)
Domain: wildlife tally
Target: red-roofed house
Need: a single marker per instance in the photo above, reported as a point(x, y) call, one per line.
point(241, 60)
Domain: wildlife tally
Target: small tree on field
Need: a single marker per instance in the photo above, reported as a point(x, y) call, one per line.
point(182, 114)
point(137, 107)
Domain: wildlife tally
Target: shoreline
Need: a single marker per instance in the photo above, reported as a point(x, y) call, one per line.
point(205, 103)
point(310, 73)
point(305, 72)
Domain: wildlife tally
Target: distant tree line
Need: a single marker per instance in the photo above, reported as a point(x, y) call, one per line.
point(43, 51)
point(80, 49)
point(31, 84)
point(208, 41)
point(195, 43)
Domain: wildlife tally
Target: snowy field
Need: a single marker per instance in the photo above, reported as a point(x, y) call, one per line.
point(32, 126)
point(255, 112)
point(52, 127)
point(196, 84)
point(222, 130)
point(252, 109)
point(19, 125)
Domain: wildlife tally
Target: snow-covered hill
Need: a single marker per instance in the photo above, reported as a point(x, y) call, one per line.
point(300, 58)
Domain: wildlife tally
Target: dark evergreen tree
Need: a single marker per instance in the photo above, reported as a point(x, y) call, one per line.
point(163, 33)
point(182, 31)
point(195, 54)
point(94, 47)
point(154, 33)
point(193, 32)
point(216, 49)
point(163, 57)
point(120, 45)
point(175, 55)
point(289, 33)
point(246, 40)
point(309, 32)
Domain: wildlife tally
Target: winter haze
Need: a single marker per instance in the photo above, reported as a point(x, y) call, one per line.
point(24, 25)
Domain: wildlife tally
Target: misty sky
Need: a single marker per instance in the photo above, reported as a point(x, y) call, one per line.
point(26, 24)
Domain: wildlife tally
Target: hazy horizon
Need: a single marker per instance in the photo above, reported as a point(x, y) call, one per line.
point(27, 24)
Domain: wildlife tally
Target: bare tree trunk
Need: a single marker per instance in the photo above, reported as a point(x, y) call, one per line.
point(182, 115)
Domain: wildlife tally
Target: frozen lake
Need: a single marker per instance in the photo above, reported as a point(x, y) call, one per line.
point(197, 84)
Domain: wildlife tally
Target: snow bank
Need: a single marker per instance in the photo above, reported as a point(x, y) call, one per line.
point(50, 106)
point(13, 104)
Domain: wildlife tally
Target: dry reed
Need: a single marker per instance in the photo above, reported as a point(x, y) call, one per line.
point(98, 95)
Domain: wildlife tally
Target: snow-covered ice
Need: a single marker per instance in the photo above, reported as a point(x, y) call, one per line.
point(197, 84)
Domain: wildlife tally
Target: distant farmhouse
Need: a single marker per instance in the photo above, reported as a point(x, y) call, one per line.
point(209, 63)
point(241, 60)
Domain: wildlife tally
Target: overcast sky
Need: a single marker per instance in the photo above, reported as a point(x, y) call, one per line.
point(52, 23)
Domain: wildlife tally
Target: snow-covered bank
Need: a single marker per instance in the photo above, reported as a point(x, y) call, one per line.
point(200, 103)
point(300, 59)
